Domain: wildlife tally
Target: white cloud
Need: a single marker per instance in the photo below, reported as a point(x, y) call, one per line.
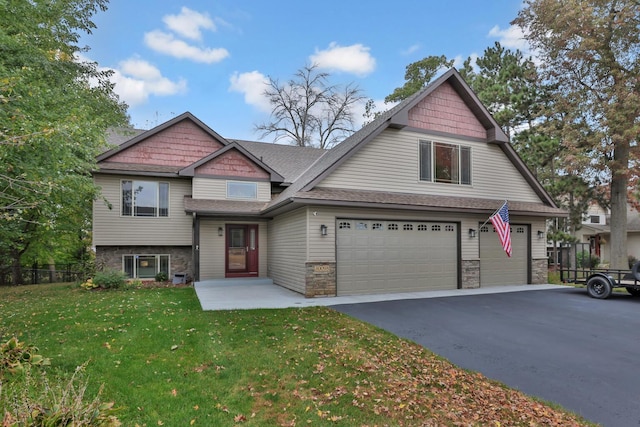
point(411, 49)
point(252, 85)
point(512, 37)
point(354, 59)
point(166, 43)
point(135, 80)
point(458, 61)
point(189, 23)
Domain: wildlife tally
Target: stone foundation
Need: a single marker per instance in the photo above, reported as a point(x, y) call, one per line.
point(320, 279)
point(110, 257)
point(540, 271)
point(470, 274)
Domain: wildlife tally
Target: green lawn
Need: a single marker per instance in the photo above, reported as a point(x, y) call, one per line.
point(163, 361)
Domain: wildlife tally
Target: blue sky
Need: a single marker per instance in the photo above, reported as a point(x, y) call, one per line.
point(212, 57)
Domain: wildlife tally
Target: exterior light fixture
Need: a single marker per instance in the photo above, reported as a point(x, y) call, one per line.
point(472, 233)
point(323, 230)
point(540, 234)
point(220, 231)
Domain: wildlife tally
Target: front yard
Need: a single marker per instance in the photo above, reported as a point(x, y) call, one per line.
point(163, 361)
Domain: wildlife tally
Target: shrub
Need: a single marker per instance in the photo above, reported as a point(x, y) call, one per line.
point(161, 277)
point(88, 285)
point(110, 279)
point(135, 283)
point(32, 400)
point(16, 355)
point(587, 260)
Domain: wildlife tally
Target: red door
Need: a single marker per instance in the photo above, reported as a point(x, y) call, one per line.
point(241, 250)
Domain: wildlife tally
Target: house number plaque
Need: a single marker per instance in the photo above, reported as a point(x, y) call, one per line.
point(321, 268)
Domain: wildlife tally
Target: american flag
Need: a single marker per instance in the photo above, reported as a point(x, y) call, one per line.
point(500, 221)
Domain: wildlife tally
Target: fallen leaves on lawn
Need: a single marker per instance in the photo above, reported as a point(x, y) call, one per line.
point(399, 381)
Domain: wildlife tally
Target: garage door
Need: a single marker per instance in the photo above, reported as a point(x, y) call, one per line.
point(395, 256)
point(496, 268)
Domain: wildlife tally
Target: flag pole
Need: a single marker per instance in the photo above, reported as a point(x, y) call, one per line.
point(494, 212)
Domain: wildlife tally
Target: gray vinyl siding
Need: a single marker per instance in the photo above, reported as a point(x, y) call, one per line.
point(390, 162)
point(212, 247)
point(216, 189)
point(212, 257)
point(111, 228)
point(288, 250)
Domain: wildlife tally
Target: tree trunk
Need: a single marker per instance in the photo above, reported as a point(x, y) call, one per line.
point(16, 268)
point(618, 224)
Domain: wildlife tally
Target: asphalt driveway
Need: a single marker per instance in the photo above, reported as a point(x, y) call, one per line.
point(559, 345)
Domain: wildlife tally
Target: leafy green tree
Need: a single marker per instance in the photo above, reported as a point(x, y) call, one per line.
point(55, 111)
point(418, 75)
point(507, 84)
point(589, 56)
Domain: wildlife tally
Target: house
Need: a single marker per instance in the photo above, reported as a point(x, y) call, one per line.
point(401, 205)
point(596, 232)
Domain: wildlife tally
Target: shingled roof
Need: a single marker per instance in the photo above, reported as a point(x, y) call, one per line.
point(397, 117)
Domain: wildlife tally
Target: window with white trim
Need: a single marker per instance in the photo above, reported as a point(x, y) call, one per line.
point(145, 266)
point(242, 190)
point(445, 163)
point(145, 198)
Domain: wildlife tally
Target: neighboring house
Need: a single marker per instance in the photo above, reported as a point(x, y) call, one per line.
point(401, 205)
point(596, 231)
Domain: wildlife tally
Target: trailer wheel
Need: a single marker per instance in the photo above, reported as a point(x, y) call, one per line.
point(598, 287)
point(635, 270)
point(633, 291)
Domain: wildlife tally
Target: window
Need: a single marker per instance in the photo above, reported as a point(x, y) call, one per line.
point(242, 190)
point(145, 198)
point(145, 266)
point(447, 163)
point(392, 227)
point(407, 227)
point(344, 225)
point(377, 226)
point(594, 219)
point(361, 225)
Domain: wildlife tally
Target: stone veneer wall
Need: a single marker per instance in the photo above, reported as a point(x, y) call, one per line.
point(320, 279)
point(539, 271)
point(179, 256)
point(470, 274)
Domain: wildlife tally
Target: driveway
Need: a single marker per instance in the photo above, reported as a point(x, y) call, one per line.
point(559, 345)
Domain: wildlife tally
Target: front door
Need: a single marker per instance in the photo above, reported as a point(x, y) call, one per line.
point(241, 250)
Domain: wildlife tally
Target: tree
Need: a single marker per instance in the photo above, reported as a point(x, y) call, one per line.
point(55, 111)
point(308, 111)
point(588, 51)
point(507, 84)
point(418, 75)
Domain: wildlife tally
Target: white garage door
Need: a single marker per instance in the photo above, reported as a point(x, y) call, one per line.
point(395, 256)
point(496, 268)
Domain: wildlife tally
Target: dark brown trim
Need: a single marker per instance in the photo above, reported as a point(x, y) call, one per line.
point(394, 206)
point(184, 116)
point(436, 133)
point(190, 170)
point(231, 178)
point(139, 173)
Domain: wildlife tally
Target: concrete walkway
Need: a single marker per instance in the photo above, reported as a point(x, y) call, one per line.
point(252, 293)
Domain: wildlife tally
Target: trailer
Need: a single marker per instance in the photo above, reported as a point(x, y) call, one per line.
point(600, 282)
